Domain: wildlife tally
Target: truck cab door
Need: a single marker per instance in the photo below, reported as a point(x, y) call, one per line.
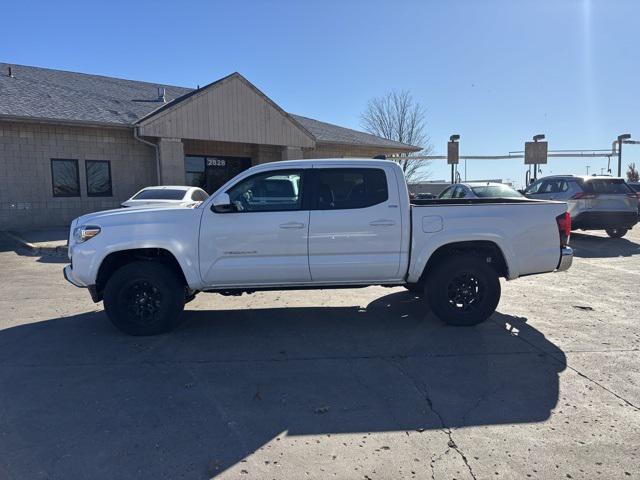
point(355, 232)
point(260, 238)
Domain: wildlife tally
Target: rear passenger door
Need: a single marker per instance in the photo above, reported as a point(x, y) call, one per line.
point(355, 225)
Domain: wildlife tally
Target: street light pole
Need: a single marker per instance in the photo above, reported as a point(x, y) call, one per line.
point(621, 138)
point(453, 139)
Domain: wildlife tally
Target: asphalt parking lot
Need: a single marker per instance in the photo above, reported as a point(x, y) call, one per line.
point(349, 384)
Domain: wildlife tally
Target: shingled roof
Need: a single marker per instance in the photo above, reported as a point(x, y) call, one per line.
point(56, 95)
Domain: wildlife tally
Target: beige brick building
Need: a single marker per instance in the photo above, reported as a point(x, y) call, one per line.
point(73, 143)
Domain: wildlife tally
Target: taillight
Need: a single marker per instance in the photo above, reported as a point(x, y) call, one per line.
point(583, 196)
point(564, 228)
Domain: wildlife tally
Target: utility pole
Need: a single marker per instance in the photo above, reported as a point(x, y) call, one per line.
point(621, 138)
point(453, 155)
point(588, 169)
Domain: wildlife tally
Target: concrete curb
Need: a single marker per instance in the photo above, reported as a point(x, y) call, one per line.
point(37, 249)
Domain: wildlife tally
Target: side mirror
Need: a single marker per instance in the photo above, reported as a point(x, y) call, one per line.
point(222, 204)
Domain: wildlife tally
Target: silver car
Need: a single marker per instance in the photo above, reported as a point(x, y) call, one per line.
point(479, 190)
point(594, 203)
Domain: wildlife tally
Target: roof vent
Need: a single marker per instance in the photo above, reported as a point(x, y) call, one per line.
point(10, 73)
point(162, 94)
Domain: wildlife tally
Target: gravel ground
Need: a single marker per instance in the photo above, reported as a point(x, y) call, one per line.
point(349, 384)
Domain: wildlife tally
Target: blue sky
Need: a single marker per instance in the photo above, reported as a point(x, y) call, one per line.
point(496, 71)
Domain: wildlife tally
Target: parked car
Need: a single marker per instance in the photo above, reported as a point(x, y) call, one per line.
point(167, 196)
point(635, 186)
point(348, 223)
point(595, 203)
point(479, 190)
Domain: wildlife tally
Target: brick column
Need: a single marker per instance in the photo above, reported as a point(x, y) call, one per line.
point(291, 153)
point(171, 152)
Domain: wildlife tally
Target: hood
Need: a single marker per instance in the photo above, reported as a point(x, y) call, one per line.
point(151, 214)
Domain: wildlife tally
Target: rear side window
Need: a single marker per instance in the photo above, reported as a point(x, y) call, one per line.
point(607, 186)
point(345, 188)
point(160, 194)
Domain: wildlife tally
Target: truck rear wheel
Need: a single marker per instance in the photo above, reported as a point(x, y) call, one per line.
point(616, 232)
point(463, 291)
point(144, 298)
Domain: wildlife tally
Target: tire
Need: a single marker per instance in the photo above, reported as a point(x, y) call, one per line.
point(617, 232)
point(463, 291)
point(128, 293)
point(416, 288)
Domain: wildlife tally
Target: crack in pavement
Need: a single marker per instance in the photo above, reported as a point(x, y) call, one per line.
point(424, 393)
point(565, 364)
point(154, 362)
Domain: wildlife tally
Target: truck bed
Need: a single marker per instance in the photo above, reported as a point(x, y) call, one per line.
point(525, 230)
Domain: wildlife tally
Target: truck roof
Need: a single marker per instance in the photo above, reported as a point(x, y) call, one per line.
point(325, 161)
point(583, 177)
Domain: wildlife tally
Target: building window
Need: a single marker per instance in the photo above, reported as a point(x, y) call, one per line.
point(98, 178)
point(210, 173)
point(65, 177)
point(194, 171)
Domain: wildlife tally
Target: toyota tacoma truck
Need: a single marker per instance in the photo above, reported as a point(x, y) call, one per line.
point(331, 223)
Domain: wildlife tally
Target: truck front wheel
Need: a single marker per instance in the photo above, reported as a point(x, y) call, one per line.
point(464, 290)
point(144, 298)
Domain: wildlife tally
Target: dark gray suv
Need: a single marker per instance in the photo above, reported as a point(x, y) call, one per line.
point(594, 203)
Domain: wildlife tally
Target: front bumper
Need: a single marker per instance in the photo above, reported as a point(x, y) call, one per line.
point(68, 276)
point(604, 220)
point(566, 259)
point(93, 291)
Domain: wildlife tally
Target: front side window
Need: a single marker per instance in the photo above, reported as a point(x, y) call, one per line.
point(534, 188)
point(346, 188)
point(98, 178)
point(65, 177)
point(273, 191)
point(446, 193)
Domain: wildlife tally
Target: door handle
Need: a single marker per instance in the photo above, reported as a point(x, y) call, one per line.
point(290, 225)
point(382, 223)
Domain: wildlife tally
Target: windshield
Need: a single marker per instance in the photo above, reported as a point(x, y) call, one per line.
point(607, 186)
point(160, 194)
point(490, 191)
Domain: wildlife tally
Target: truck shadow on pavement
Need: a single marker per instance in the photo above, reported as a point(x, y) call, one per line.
point(593, 246)
point(81, 400)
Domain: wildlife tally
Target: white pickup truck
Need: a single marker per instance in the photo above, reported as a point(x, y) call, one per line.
point(332, 223)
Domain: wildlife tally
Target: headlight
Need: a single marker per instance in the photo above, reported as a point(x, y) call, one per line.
point(85, 232)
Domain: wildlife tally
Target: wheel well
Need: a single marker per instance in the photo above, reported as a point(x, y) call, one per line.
point(115, 260)
point(479, 248)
